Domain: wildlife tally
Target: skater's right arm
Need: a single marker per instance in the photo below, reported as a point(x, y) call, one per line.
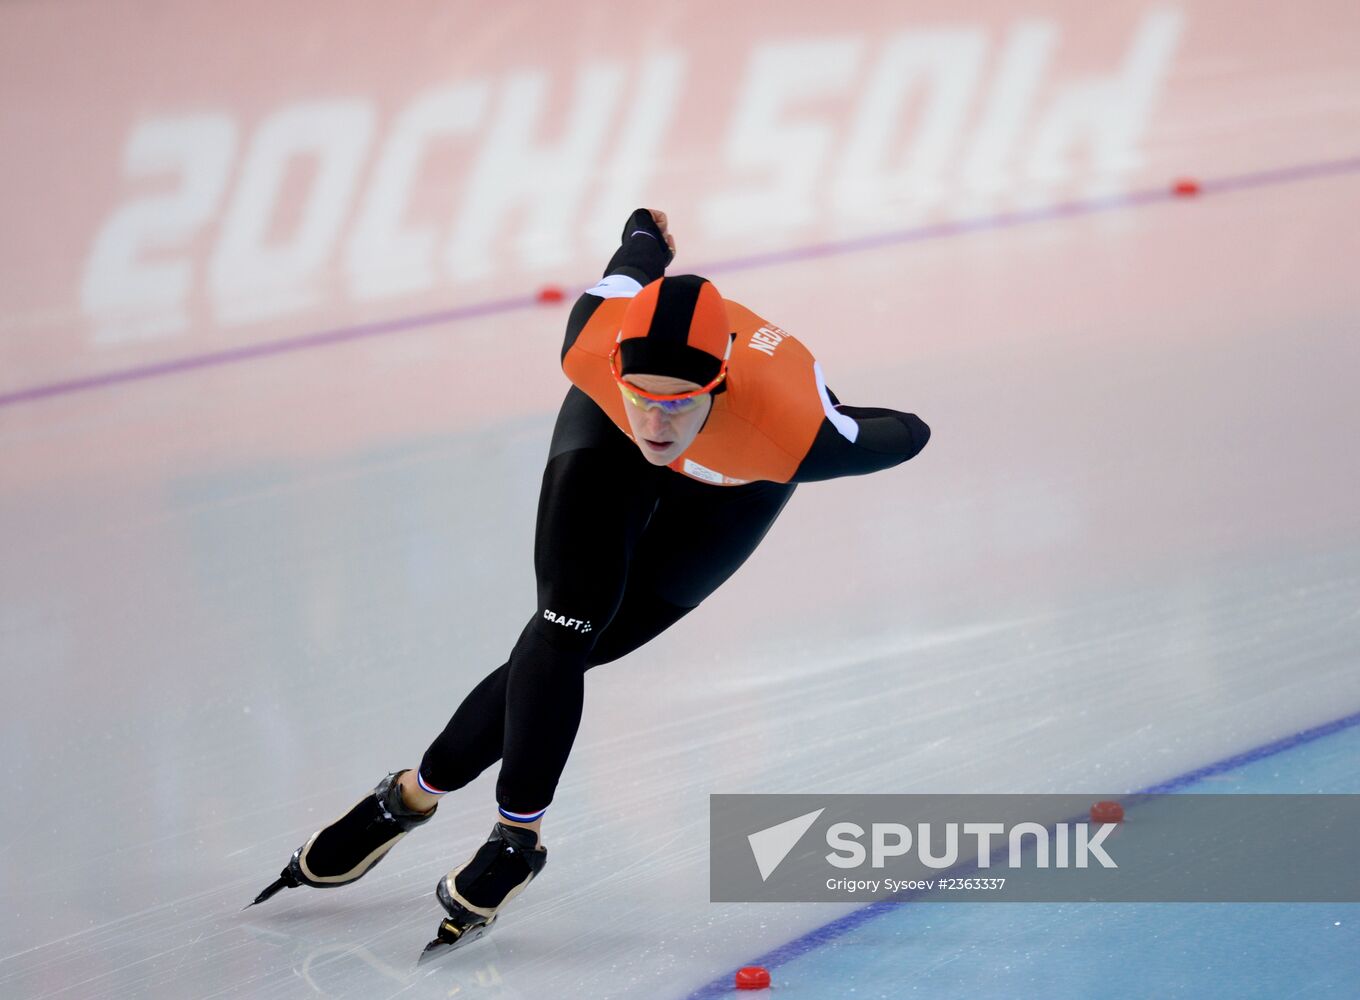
point(644, 251)
point(645, 248)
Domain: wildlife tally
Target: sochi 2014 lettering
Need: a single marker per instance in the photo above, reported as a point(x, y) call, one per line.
point(987, 124)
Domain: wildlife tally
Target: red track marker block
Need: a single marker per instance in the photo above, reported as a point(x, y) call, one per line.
point(1107, 812)
point(753, 977)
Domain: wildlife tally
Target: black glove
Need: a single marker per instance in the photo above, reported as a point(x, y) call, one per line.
point(643, 254)
point(641, 221)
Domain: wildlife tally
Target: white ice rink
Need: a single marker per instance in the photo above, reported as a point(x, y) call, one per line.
point(235, 592)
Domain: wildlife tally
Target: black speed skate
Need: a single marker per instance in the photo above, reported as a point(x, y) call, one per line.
point(345, 851)
point(474, 893)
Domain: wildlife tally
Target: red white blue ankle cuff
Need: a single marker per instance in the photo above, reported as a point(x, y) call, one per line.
point(429, 788)
point(521, 817)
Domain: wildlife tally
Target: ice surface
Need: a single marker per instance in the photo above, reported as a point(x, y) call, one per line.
point(231, 598)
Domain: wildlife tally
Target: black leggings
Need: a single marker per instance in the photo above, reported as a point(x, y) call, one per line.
point(623, 550)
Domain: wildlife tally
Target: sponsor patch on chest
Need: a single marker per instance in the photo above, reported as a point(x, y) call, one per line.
point(696, 471)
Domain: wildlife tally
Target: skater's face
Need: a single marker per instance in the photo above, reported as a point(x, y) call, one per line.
point(661, 436)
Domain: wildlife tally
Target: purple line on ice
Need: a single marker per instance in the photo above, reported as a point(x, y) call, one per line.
point(943, 230)
point(321, 338)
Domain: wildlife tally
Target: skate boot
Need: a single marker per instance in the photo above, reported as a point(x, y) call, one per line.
point(474, 893)
point(345, 851)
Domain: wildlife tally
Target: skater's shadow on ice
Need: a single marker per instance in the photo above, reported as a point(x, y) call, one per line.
point(338, 968)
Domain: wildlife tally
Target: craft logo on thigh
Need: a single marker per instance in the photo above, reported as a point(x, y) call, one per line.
point(565, 622)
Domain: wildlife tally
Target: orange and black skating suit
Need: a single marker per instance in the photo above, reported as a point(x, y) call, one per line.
point(623, 548)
